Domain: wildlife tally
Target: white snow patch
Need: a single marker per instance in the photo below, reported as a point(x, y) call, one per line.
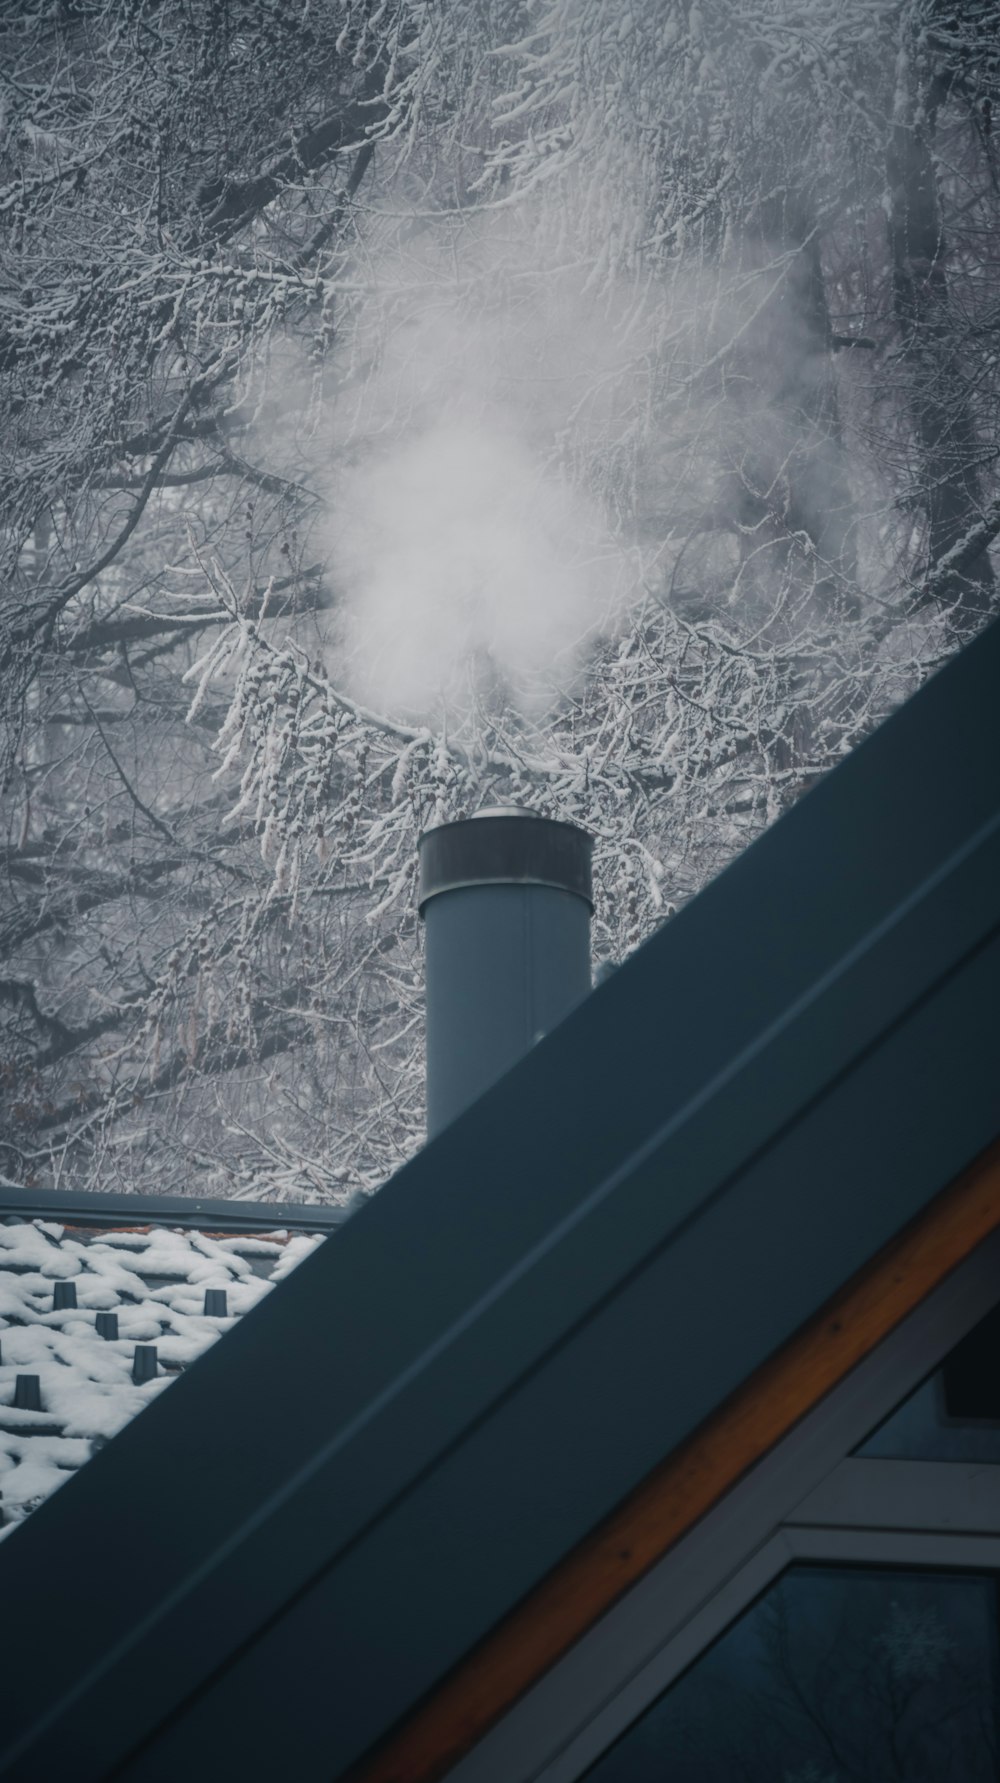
point(155, 1281)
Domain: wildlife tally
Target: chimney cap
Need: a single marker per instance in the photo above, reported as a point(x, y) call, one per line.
point(504, 845)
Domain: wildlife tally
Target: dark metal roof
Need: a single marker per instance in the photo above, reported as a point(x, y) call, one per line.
point(410, 1432)
point(75, 1208)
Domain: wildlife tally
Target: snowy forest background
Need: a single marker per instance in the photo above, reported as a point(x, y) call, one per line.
point(411, 404)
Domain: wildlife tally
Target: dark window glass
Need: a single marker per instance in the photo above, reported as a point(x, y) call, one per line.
point(955, 1414)
point(835, 1675)
point(972, 1373)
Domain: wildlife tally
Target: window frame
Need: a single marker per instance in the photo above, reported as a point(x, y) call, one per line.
point(810, 1499)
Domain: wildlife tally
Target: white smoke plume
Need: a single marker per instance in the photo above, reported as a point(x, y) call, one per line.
point(463, 536)
point(456, 549)
point(522, 452)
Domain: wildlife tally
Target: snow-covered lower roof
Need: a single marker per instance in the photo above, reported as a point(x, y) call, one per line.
point(65, 1388)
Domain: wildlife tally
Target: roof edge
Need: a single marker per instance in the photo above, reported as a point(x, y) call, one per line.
point(84, 1209)
point(687, 1483)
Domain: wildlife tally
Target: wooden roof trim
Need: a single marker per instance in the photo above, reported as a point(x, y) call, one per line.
point(688, 1482)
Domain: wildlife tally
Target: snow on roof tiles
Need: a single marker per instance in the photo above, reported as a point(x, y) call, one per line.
point(155, 1279)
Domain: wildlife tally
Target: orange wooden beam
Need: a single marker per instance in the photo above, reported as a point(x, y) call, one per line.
point(689, 1481)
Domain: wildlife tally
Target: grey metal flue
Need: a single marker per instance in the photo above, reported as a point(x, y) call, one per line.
point(506, 900)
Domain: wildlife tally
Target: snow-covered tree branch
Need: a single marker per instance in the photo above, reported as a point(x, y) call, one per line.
point(408, 406)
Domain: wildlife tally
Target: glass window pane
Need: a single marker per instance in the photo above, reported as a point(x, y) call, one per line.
point(835, 1675)
point(955, 1414)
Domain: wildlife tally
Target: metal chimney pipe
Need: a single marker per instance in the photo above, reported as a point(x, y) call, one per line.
point(506, 900)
